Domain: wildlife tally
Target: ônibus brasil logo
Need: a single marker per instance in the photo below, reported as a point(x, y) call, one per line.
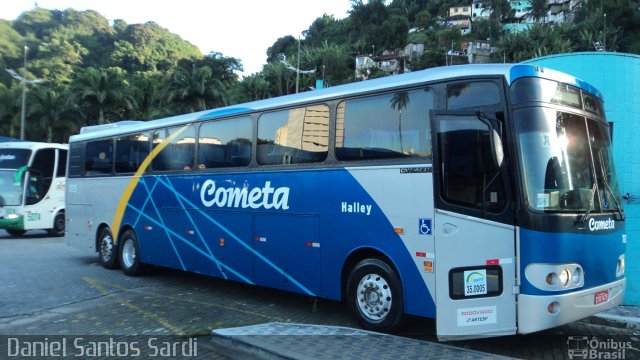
point(265, 197)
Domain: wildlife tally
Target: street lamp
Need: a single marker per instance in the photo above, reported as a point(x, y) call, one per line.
point(24, 81)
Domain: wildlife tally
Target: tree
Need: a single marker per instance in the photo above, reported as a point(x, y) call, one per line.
point(10, 110)
point(54, 121)
point(399, 102)
point(539, 9)
point(100, 94)
point(193, 89)
point(251, 88)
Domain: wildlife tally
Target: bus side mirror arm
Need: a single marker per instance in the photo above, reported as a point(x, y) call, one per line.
point(497, 149)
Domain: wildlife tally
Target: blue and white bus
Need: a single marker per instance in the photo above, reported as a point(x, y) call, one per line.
point(483, 196)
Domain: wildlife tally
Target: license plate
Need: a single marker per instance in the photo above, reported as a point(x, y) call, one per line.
point(600, 297)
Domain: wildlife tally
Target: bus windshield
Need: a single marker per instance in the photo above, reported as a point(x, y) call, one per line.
point(567, 162)
point(10, 192)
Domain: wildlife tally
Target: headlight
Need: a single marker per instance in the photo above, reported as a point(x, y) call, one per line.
point(555, 277)
point(564, 277)
point(620, 267)
point(12, 216)
point(577, 276)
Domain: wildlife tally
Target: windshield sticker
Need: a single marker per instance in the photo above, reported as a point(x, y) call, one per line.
point(546, 140)
point(4, 157)
point(475, 282)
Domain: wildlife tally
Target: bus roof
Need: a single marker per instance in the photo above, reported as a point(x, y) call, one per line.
point(31, 145)
point(510, 72)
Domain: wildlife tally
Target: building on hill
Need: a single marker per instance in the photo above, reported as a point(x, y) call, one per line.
point(460, 16)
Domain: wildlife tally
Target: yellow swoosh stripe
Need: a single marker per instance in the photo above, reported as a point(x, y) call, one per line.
point(126, 195)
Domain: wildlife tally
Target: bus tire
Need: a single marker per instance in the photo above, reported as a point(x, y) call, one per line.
point(129, 250)
point(374, 295)
point(107, 251)
point(58, 225)
point(16, 233)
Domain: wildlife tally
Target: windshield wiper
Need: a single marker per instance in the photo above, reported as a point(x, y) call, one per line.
point(606, 184)
point(582, 219)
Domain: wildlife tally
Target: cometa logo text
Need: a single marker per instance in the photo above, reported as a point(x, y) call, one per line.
point(265, 197)
point(595, 225)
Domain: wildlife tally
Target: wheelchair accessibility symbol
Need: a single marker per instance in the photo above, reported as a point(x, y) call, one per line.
point(424, 226)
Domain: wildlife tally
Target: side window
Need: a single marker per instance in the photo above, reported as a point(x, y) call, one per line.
point(394, 125)
point(40, 175)
point(469, 175)
point(294, 136)
point(62, 163)
point(131, 151)
point(225, 143)
point(472, 95)
point(76, 165)
point(98, 157)
point(179, 153)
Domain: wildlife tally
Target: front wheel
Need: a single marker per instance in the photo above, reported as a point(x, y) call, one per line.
point(108, 252)
point(58, 225)
point(16, 233)
point(130, 254)
point(374, 295)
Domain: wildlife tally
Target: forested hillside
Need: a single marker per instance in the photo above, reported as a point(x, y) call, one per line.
point(96, 72)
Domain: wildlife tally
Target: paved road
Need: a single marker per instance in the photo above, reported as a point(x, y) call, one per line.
point(48, 288)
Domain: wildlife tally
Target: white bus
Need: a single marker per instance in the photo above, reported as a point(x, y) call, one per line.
point(32, 181)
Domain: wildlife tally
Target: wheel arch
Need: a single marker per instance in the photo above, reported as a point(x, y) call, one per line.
point(59, 210)
point(103, 225)
point(361, 254)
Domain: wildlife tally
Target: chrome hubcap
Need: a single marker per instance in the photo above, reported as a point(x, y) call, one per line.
point(128, 253)
point(106, 247)
point(374, 297)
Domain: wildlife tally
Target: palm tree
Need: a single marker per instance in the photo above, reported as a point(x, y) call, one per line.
point(399, 101)
point(194, 89)
point(53, 115)
point(102, 91)
point(10, 110)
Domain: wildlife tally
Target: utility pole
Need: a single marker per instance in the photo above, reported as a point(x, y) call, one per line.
point(24, 81)
point(298, 66)
point(604, 31)
point(24, 94)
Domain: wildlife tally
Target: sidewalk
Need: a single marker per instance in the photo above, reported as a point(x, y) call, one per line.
point(623, 316)
point(313, 342)
point(278, 341)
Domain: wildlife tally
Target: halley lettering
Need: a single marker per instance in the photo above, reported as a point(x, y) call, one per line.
point(608, 224)
point(7, 157)
point(356, 207)
point(235, 197)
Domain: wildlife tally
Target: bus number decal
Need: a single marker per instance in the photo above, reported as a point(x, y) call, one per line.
point(475, 282)
point(33, 216)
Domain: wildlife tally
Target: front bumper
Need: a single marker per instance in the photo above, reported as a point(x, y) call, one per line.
point(533, 314)
point(15, 223)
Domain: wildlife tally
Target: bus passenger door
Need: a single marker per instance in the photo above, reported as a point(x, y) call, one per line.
point(473, 229)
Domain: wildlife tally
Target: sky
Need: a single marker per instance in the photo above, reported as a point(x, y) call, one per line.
point(242, 29)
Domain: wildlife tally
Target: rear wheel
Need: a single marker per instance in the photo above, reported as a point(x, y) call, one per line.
point(16, 232)
point(58, 225)
point(108, 252)
point(374, 295)
point(130, 254)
